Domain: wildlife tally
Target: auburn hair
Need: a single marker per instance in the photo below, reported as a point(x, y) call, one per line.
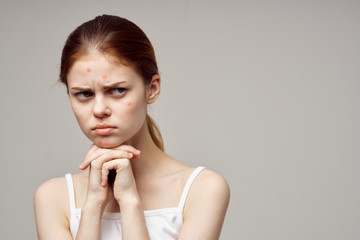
point(118, 37)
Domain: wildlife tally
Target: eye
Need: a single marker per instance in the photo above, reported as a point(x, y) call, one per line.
point(84, 95)
point(117, 91)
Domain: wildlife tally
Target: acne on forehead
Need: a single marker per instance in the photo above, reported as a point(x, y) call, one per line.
point(102, 76)
point(96, 68)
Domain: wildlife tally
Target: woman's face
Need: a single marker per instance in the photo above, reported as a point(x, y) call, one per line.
point(109, 99)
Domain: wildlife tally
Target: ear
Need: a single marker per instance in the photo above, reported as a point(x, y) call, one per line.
point(153, 89)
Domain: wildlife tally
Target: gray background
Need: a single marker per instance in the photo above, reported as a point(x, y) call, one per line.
point(264, 92)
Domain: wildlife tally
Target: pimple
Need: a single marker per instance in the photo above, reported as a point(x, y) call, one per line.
point(104, 76)
point(88, 69)
point(129, 104)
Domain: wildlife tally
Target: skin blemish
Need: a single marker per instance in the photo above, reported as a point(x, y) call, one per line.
point(103, 76)
point(129, 104)
point(88, 69)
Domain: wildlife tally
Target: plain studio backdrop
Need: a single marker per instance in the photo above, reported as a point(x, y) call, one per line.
point(264, 92)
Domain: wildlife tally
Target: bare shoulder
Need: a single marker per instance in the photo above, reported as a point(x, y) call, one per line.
point(51, 209)
point(209, 189)
point(51, 196)
point(210, 183)
point(51, 189)
point(207, 202)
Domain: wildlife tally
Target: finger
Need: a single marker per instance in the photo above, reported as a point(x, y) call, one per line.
point(129, 148)
point(104, 174)
point(95, 152)
point(95, 180)
point(107, 166)
point(89, 156)
point(92, 149)
point(109, 156)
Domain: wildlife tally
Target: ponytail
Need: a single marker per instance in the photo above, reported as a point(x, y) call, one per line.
point(155, 132)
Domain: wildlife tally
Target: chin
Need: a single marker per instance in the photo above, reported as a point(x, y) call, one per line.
point(115, 140)
point(107, 143)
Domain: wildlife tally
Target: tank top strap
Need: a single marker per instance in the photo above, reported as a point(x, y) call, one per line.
point(70, 186)
point(187, 187)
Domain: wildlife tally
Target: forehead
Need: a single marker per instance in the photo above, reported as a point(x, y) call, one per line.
point(95, 62)
point(100, 68)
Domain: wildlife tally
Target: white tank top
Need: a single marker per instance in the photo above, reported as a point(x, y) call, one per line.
point(162, 224)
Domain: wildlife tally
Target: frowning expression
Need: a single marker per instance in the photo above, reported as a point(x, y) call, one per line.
point(108, 99)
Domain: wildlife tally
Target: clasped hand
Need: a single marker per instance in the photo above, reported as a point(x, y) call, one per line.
point(101, 161)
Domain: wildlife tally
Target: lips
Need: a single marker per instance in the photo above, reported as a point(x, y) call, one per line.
point(103, 129)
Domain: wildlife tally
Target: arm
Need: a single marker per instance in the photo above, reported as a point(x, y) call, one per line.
point(90, 222)
point(52, 214)
point(133, 223)
point(205, 207)
point(50, 210)
point(124, 190)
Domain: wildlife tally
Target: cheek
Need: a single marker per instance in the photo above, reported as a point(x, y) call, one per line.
point(132, 109)
point(135, 108)
point(80, 113)
point(136, 102)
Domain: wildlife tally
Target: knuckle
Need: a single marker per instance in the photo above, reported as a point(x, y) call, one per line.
point(124, 162)
point(95, 164)
point(104, 158)
point(117, 154)
point(105, 166)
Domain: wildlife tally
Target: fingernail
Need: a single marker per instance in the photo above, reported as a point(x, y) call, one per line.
point(80, 166)
point(130, 155)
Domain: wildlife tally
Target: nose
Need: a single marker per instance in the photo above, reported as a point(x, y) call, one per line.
point(101, 109)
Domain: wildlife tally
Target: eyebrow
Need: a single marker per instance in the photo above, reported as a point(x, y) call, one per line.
point(80, 88)
point(106, 86)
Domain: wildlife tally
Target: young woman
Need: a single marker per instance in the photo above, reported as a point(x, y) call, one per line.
point(129, 188)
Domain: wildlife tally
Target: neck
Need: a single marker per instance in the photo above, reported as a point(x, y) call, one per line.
point(150, 156)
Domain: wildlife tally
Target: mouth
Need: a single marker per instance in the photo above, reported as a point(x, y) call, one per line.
point(103, 129)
